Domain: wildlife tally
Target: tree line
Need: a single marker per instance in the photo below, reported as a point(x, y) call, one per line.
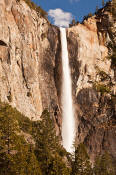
point(90, 14)
point(35, 7)
point(43, 154)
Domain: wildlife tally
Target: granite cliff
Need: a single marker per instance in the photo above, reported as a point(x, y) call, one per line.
point(94, 81)
point(28, 47)
point(31, 74)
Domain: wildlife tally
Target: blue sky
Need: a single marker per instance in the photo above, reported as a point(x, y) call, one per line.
point(63, 11)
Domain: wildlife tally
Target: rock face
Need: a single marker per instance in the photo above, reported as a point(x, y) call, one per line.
point(31, 74)
point(94, 85)
point(28, 45)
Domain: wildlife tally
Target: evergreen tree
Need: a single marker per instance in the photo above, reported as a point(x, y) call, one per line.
point(48, 147)
point(81, 164)
point(96, 8)
point(73, 22)
point(8, 129)
point(103, 3)
point(103, 165)
point(16, 157)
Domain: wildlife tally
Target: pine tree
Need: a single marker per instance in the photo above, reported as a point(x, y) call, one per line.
point(8, 129)
point(103, 165)
point(48, 147)
point(96, 8)
point(57, 166)
point(103, 3)
point(16, 157)
point(73, 22)
point(22, 158)
point(81, 164)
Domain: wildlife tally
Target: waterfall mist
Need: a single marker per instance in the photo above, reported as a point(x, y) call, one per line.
point(68, 123)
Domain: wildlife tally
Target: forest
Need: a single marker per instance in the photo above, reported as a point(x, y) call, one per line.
point(32, 148)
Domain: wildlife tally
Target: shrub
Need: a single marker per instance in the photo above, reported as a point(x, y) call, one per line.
point(104, 75)
point(29, 94)
point(41, 11)
point(101, 88)
point(9, 97)
point(33, 6)
point(87, 16)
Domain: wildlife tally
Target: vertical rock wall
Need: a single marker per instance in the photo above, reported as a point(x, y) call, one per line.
point(94, 85)
point(28, 46)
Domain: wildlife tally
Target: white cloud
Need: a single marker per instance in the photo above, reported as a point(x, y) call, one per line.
point(60, 18)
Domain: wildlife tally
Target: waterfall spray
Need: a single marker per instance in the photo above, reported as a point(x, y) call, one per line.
point(68, 123)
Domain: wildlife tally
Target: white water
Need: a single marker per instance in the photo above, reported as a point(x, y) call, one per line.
point(68, 123)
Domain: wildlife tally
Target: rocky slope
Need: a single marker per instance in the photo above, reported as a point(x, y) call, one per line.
point(31, 74)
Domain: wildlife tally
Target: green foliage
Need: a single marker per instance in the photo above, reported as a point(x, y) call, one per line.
point(101, 88)
point(46, 156)
point(103, 165)
point(41, 11)
point(103, 75)
point(19, 157)
point(31, 4)
point(38, 9)
point(21, 161)
point(81, 164)
point(16, 155)
point(73, 23)
point(87, 16)
point(48, 148)
point(97, 8)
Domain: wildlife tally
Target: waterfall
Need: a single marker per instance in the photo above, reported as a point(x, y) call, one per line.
point(68, 123)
